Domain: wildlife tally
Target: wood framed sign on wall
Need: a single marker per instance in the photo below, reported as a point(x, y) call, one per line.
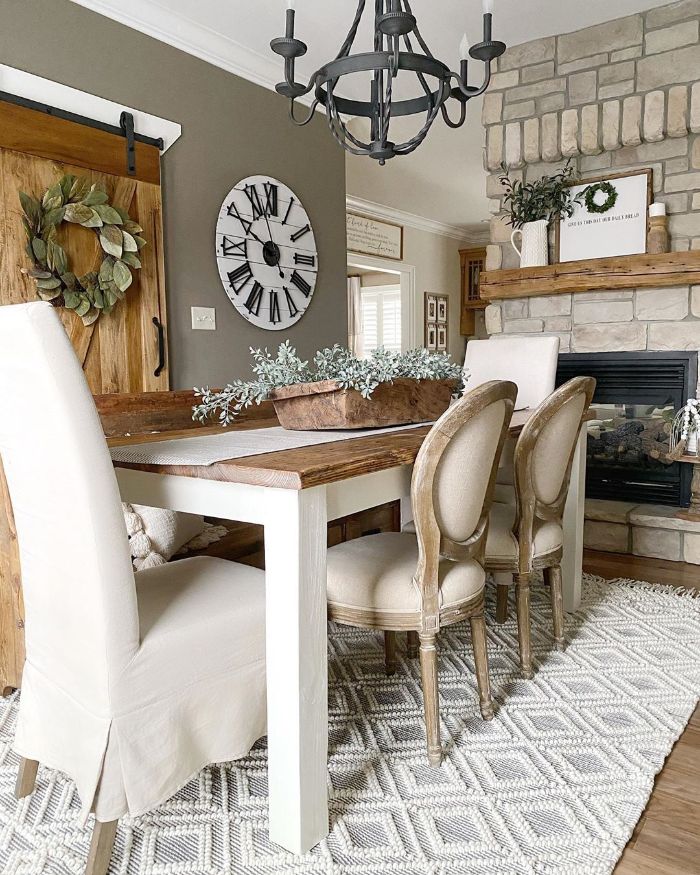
point(610, 217)
point(373, 237)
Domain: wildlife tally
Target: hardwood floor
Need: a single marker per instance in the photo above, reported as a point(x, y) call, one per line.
point(666, 840)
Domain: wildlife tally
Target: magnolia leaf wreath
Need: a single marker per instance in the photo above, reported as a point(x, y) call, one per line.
point(610, 192)
point(73, 199)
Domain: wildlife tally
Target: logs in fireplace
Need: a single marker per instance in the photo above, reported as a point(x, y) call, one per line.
point(637, 394)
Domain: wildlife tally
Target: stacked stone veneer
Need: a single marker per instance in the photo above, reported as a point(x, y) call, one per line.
point(618, 96)
point(641, 529)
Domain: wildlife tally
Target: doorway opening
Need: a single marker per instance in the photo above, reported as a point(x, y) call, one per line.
point(381, 305)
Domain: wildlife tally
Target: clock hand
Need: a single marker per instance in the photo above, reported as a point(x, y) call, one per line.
point(269, 231)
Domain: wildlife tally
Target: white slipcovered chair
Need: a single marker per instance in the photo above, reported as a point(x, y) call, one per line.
point(528, 535)
point(400, 582)
point(531, 363)
point(132, 683)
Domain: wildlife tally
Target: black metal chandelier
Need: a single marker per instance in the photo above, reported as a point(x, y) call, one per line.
point(395, 28)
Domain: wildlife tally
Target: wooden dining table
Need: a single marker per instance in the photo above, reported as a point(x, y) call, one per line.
point(293, 493)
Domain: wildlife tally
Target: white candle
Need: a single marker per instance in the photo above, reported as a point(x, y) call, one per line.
point(464, 49)
point(488, 7)
point(657, 209)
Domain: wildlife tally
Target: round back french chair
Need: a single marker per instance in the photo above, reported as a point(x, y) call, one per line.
point(526, 534)
point(401, 581)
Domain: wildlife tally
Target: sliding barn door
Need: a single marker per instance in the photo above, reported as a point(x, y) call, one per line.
point(119, 352)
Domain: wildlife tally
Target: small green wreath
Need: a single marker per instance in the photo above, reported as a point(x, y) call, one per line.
point(73, 199)
point(611, 197)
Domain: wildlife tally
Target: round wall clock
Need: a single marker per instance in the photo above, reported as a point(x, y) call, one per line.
point(266, 252)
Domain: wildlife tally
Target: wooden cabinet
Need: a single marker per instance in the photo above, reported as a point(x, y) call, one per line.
point(472, 262)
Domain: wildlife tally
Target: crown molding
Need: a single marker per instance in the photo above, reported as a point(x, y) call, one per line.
point(373, 210)
point(160, 21)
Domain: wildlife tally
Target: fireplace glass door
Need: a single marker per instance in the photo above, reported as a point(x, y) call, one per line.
point(637, 395)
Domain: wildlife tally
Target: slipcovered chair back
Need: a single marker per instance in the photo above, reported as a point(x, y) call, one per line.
point(544, 455)
point(454, 477)
point(78, 586)
point(530, 362)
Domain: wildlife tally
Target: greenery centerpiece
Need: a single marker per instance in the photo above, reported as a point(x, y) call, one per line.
point(334, 370)
point(75, 200)
point(546, 198)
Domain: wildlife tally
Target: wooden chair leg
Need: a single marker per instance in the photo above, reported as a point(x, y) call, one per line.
point(501, 603)
point(429, 677)
point(390, 660)
point(103, 835)
point(412, 645)
point(522, 592)
point(26, 778)
point(481, 661)
point(503, 581)
point(553, 577)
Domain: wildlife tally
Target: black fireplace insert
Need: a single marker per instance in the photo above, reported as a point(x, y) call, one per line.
point(637, 395)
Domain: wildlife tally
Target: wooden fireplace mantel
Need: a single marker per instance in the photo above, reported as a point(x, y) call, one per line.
point(600, 274)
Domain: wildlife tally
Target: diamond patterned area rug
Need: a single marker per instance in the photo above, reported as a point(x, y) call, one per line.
point(554, 784)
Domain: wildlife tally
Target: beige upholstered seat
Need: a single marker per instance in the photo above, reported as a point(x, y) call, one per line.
point(376, 572)
point(501, 543)
point(418, 583)
point(526, 534)
point(132, 683)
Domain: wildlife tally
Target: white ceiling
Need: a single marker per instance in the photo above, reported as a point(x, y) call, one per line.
point(443, 180)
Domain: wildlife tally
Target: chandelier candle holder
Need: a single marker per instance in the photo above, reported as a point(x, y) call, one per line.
point(394, 52)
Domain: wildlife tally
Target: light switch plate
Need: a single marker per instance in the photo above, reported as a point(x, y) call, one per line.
point(203, 318)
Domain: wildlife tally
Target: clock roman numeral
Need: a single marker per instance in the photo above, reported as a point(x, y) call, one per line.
point(309, 260)
point(229, 246)
point(291, 306)
point(255, 202)
point(260, 207)
point(270, 199)
point(300, 233)
point(254, 299)
point(240, 277)
point(245, 224)
point(298, 280)
point(275, 316)
point(289, 210)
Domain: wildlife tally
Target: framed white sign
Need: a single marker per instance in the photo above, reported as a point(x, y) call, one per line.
point(609, 220)
point(373, 237)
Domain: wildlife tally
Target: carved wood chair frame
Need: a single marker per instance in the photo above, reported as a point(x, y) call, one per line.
point(529, 509)
point(434, 546)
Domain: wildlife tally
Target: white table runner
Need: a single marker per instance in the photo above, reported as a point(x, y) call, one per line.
point(207, 449)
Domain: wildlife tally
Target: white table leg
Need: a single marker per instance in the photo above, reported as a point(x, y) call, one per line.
point(297, 679)
point(572, 561)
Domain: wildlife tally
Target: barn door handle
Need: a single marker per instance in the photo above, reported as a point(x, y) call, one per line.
point(161, 346)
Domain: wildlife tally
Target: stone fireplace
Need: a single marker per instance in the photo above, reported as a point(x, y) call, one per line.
point(619, 96)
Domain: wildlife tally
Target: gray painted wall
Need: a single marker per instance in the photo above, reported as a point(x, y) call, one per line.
point(230, 129)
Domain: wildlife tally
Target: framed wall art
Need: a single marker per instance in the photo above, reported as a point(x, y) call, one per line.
point(609, 219)
point(436, 313)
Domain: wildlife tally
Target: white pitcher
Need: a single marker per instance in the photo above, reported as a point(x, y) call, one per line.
point(534, 244)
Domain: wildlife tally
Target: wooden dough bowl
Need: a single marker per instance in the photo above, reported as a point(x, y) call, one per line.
point(325, 405)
